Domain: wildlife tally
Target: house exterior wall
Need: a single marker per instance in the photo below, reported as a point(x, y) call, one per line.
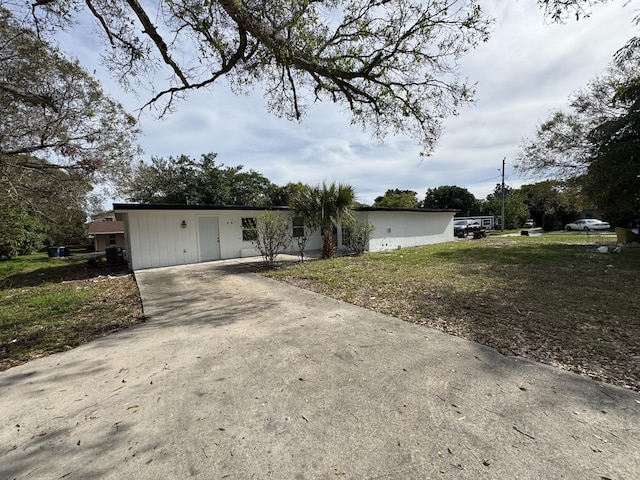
point(156, 238)
point(402, 229)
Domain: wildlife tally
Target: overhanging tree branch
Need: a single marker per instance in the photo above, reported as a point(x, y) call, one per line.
point(349, 51)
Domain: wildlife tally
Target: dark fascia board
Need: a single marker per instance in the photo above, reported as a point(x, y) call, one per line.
point(149, 206)
point(397, 209)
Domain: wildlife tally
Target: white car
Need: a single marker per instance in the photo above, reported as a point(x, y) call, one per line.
point(587, 224)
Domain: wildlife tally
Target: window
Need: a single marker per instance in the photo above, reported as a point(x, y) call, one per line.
point(298, 227)
point(249, 229)
point(346, 235)
point(112, 239)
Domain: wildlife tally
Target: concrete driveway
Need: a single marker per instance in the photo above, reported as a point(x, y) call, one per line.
point(236, 376)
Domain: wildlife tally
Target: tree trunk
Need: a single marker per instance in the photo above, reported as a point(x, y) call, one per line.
point(328, 248)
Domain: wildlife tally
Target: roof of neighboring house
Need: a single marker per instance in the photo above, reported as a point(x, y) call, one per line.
point(98, 228)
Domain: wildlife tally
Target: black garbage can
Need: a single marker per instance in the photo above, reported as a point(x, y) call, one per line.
point(115, 255)
point(52, 252)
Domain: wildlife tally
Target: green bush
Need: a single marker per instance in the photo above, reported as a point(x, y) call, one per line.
point(272, 235)
point(20, 233)
point(358, 235)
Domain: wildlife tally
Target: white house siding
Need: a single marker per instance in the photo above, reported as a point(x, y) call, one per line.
point(401, 229)
point(156, 238)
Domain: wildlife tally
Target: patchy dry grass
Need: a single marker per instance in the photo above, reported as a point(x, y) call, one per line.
point(550, 299)
point(50, 305)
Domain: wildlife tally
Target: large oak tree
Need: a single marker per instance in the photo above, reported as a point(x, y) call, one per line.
point(59, 134)
point(391, 63)
point(54, 114)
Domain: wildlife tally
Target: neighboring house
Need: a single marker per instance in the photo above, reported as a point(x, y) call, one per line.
point(165, 235)
point(107, 234)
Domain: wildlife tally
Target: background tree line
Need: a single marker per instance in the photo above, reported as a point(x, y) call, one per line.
point(551, 204)
point(185, 180)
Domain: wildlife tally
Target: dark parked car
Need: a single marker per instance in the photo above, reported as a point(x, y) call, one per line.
point(462, 228)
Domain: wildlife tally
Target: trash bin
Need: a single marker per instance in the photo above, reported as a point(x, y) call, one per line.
point(52, 252)
point(115, 256)
point(64, 251)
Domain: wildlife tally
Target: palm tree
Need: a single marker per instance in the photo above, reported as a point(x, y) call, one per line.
point(326, 206)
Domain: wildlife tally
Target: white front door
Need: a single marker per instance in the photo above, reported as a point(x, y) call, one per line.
point(208, 238)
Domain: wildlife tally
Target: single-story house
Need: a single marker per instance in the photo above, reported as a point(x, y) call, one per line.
point(165, 235)
point(107, 234)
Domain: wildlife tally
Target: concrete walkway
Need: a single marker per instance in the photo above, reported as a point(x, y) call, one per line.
point(236, 376)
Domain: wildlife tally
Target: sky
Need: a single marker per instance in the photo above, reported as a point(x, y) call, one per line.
point(528, 68)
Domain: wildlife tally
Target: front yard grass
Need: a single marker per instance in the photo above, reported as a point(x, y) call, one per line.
point(50, 304)
point(551, 299)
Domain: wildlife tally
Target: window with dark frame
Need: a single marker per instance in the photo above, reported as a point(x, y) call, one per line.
point(112, 239)
point(249, 229)
point(298, 227)
point(346, 235)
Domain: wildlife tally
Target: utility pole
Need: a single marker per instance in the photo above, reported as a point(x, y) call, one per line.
point(502, 218)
